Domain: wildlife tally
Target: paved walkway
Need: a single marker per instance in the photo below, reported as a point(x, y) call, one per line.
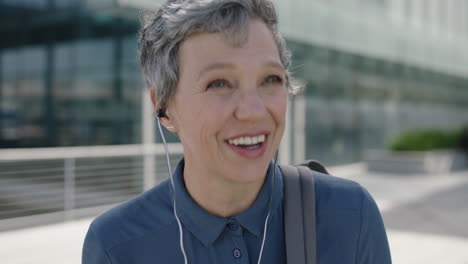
point(425, 216)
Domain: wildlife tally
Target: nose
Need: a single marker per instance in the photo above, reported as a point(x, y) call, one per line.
point(250, 107)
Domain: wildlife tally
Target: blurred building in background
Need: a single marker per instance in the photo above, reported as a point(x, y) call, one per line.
point(69, 73)
point(375, 68)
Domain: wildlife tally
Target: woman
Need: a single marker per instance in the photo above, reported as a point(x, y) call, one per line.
point(217, 72)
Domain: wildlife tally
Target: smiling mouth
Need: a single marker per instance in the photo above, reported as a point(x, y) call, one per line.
point(248, 142)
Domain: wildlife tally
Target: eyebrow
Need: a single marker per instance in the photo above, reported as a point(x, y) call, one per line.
point(222, 65)
point(215, 66)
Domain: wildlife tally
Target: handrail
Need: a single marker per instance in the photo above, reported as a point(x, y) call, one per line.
point(38, 181)
point(86, 152)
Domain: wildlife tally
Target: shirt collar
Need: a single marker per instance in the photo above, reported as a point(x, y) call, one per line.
point(253, 219)
point(207, 227)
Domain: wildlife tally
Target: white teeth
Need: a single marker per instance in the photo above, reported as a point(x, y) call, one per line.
point(261, 138)
point(247, 140)
point(254, 140)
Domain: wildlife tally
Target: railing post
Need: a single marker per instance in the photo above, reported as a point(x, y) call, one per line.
point(147, 130)
point(284, 151)
point(299, 129)
point(149, 163)
point(69, 188)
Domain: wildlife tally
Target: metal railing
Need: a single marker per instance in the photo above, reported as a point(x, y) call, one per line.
point(41, 185)
point(38, 186)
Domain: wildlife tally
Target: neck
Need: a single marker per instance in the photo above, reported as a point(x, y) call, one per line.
point(218, 196)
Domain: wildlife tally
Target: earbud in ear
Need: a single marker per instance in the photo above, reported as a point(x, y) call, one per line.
point(160, 113)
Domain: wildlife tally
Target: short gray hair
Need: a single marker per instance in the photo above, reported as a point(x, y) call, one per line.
point(176, 20)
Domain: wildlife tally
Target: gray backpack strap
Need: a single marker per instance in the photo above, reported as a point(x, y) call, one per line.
point(308, 211)
point(293, 219)
point(299, 194)
point(314, 165)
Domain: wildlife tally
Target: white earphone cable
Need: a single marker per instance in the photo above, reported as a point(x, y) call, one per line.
point(265, 226)
point(181, 234)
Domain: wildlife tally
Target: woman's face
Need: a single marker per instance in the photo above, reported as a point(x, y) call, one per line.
point(230, 104)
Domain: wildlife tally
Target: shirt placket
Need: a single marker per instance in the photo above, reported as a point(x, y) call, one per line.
point(239, 253)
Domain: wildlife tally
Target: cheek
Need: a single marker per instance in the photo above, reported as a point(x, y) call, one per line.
point(213, 116)
point(278, 106)
point(203, 119)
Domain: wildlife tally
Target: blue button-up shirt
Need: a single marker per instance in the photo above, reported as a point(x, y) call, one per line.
point(143, 230)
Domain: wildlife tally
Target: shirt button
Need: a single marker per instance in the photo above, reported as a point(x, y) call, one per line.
point(233, 226)
point(237, 253)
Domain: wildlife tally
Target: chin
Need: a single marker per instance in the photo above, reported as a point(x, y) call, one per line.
point(250, 173)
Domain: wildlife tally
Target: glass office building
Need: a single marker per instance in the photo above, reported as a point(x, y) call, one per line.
point(372, 68)
point(69, 75)
point(375, 69)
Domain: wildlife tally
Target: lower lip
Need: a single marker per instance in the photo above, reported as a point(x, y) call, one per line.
point(250, 153)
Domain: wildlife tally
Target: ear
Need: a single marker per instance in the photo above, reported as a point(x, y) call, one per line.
point(166, 121)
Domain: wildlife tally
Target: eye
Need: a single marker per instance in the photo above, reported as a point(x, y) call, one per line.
point(220, 83)
point(273, 79)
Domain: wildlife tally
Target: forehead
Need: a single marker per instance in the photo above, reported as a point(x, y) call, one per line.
point(203, 49)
